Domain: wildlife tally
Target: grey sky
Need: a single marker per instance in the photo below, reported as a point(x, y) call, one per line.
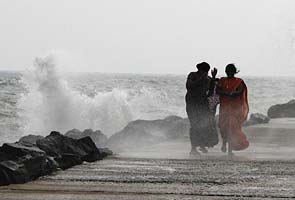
point(150, 36)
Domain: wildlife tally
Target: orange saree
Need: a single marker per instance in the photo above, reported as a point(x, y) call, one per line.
point(233, 112)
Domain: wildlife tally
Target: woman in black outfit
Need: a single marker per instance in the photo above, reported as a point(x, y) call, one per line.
point(203, 131)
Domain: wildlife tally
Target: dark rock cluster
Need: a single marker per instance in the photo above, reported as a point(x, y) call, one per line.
point(257, 118)
point(97, 136)
point(286, 110)
point(144, 132)
point(35, 156)
point(140, 133)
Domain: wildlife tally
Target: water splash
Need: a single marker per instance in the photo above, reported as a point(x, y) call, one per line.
point(50, 104)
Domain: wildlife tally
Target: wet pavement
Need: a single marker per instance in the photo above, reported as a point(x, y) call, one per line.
point(266, 170)
point(166, 171)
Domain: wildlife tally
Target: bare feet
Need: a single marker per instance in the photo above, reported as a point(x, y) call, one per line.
point(194, 152)
point(203, 149)
point(223, 148)
point(230, 154)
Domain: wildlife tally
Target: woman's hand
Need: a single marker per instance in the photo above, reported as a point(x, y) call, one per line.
point(214, 72)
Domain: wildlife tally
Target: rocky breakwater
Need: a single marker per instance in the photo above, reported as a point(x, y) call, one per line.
point(286, 110)
point(145, 132)
point(141, 133)
point(35, 156)
point(257, 118)
point(97, 136)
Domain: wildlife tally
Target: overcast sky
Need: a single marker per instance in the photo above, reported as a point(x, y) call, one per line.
point(150, 36)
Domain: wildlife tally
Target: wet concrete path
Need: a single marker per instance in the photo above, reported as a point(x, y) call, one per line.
point(154, 173)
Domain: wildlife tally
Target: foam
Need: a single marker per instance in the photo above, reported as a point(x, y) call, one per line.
point(50, 104)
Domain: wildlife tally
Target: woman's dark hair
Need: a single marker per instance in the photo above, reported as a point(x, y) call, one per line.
point(231, 68)
point(203, 66)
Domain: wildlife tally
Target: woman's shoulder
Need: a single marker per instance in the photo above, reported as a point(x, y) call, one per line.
point(235, 78)
point(241, 81)
point(192, 74)
point(222, 79)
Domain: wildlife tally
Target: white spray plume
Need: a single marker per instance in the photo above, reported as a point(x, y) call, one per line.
point(50, 104)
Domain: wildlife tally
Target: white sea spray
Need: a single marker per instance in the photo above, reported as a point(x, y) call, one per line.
point(50, 104)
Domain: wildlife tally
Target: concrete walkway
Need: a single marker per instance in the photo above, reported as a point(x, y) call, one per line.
point(139, 176)
point(166, 171)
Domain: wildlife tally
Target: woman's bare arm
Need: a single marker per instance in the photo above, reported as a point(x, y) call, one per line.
point(238, 91)
point(221, 92)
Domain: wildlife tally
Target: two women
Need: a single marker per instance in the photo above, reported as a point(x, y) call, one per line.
point(201, 99)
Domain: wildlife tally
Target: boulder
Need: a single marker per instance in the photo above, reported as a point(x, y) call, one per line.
point(144, 132)
point(257, 118)
point(282, 110)
point(177, 127)
point(35, 156)
point(134, 135)
point(105, 152)
point(67, 151)
point(57, 144)
point(19, 163)
point(97, 136)
point(30, 140)
point(12, 173)
point(92, 152)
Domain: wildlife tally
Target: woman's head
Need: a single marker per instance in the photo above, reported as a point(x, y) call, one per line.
point(231, 70)
point(203, 66)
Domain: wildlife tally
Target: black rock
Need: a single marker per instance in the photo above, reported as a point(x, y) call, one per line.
point(30, 140)
point(57, 144)
point(92, 152)
point(67, 151)
point(105, 152)
point(35, 156)
point(282, 110)
point(176, 127)
point(67, 160)
point(134, 135)
point(13, 173)
point(15, 151)
point(257, 118)
point(20, 163)
point(97, 136)
point(144, 132)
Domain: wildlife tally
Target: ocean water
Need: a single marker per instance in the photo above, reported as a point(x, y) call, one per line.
point(42, 99)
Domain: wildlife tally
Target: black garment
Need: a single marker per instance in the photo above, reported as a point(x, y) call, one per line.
point(203, 130)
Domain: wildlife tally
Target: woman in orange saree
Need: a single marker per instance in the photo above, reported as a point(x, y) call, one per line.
point(233, 110)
